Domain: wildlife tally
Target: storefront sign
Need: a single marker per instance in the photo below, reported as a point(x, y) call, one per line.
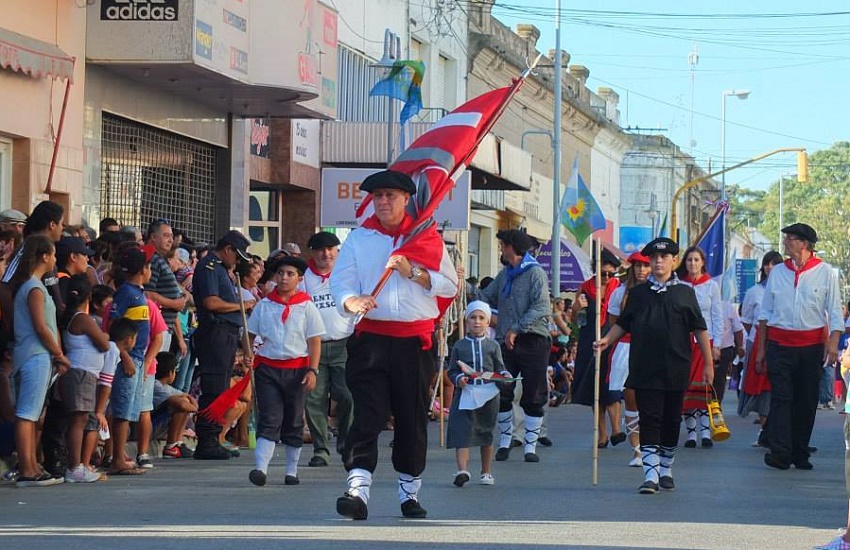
point(138, 10)
point(259, 138)
point(305, 141)
point(341, 196)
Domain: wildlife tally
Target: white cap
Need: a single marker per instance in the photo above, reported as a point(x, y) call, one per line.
point(478, 305)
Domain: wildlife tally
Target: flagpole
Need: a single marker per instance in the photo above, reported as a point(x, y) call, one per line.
point(556, 146)
point(597, 360)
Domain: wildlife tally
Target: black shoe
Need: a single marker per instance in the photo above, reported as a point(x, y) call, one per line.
point(257, 477)
point(667, 483)
point(803, 464)
point(234, 453)
point(317, 462)
point(412, 509)
point(531, 457)
point(291, 480)
point(691, 444)
point(212, 452)
point(616, 439)
point(706, 443)
point(774, 462)
point(648, 488)
point(545, 441)
point(515, 443)
point(812, 450)
point(461, 478)
point(502, 454)
point(351, 507)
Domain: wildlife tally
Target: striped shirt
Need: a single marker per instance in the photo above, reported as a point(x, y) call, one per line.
point(164, 283)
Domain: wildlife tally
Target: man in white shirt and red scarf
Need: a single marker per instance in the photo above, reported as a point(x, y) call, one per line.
point(390, 364)
point(801, 300)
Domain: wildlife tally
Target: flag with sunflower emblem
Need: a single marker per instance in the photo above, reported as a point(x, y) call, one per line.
point(580, 213)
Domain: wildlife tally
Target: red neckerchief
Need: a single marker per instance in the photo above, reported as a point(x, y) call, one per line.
point(406, 226)
point(811, 263)
point(312, 265)
point(704, 278)
point(298, 298)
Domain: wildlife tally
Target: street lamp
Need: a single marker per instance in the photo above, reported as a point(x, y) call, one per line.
point(740, 94)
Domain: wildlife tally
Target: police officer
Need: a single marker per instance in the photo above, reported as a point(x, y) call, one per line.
point(217, 336)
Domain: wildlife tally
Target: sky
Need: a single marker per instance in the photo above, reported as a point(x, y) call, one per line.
point(794, 58)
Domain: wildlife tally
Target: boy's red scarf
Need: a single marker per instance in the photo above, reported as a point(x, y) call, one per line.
point(218, 408)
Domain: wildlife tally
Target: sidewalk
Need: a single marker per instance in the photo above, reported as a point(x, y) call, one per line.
point(726, 499)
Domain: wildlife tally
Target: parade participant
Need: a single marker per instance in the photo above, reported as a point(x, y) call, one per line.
point(660, 314)
point(217, 336)
point(390, 362)
point(637, 274)
point(583, 383)
point(471, 426)
point(801, 300)
point(287, 364)
point(330, 380)
point(755, 387)
point(731, 346)
point(695, 407)
point(520, 293)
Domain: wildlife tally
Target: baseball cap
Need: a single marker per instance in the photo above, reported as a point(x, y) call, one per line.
point(135, 258)
point(71, 245)
point(292, 248)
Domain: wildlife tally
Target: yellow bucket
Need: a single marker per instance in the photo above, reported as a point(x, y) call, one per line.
point(719, 430)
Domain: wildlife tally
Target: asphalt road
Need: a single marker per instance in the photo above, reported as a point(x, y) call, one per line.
point(726, 498)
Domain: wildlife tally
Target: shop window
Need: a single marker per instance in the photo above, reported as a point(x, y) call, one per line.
point(264, 207)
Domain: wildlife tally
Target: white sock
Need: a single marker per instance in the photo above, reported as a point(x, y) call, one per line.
point(263, 454)
point(704, 427)
point(532, 432)
point(651, 462)
point(359, 481)
point(408, 487)
point(668, 456)
point(691, 424)
point(292, 456)
point(504, 420)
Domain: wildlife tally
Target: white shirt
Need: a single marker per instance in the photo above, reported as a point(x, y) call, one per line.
point(615, 300)
point(319, 289)
point(750, 309)
point(708, 297)
point(361, 263)
point(731, 325)
point(813, 302)
point(285, 340)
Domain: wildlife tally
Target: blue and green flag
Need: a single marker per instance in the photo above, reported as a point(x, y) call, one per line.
point(403, 82)
point(580, 213)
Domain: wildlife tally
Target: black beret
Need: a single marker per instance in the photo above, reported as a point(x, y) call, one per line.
point(388, 179)
point(322, 239)
point(519, 240)
point(280, 261)
point(803, 231)
point(609, 257)
point(662, 245)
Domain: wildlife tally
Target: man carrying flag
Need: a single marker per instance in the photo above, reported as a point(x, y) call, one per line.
point(389, 364)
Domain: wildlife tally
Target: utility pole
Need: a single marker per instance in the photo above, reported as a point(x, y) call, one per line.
point(556, 145)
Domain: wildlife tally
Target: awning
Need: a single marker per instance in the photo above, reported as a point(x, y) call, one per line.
point(34, 57)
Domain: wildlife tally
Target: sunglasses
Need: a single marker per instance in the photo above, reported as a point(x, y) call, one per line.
point(608, 273)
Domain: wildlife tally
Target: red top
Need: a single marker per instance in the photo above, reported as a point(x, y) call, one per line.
point(589, 288)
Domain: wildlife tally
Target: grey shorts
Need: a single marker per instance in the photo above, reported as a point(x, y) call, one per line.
point(78, 389)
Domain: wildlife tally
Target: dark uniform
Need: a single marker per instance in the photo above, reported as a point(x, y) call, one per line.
point(215, 341)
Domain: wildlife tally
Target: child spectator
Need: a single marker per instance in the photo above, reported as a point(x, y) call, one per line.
point(560, 375)
point(144, 428)
point(85, 345)
point(287, 362)
point(472, 424)
point(130, 303)
point(122, 336)
point(101, 303)
point(36, 353)
point(173, 405)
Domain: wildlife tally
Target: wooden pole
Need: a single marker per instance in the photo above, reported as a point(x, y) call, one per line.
point(597, 361)
point(246, 349)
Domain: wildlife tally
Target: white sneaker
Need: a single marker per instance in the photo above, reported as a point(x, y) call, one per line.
point(636, 462)
point(487, 479)
point(81, 474)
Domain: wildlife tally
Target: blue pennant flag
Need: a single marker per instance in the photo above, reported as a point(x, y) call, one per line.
point(712, 241)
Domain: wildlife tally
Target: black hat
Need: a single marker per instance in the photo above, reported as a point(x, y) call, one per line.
point(609, 257)
point(661, 245)
point(71, 245)
point(388, 179)
point(280, 261)
point(803, 231)
point(135, 258)
point(238, 241)
point(322, 239)
point(519, 240)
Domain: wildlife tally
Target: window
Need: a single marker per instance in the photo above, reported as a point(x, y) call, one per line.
point(356, 78)
point(473, 251)
point(5, 174)
point(264, 207)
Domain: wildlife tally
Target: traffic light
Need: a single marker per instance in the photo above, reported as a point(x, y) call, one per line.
point(802, 167)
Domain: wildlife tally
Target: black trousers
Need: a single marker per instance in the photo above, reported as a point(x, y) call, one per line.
point(794, 375)
point(216, 348)
point(388, 376)
point(53, 435)
point(529, 358)
point(660, 416)
point(721, 370)
point(280, 404)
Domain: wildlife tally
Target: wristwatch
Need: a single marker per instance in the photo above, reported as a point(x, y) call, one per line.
point(415, 273)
